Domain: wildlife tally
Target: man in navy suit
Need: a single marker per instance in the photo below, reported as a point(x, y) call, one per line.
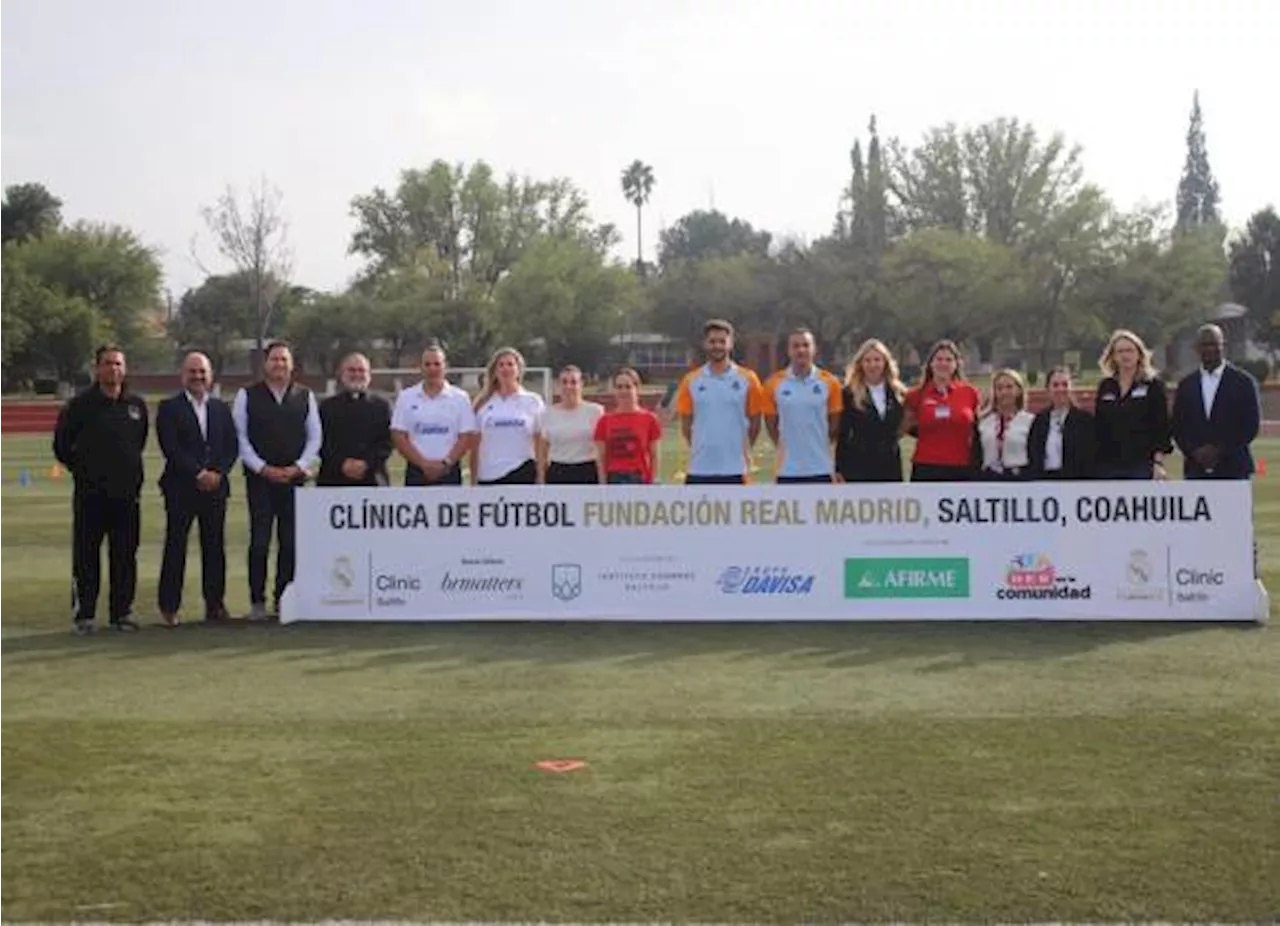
point(198, 437)
point(1216, 414)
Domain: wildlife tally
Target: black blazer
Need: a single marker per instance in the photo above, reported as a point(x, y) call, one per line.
point(867, 445)
point(1078, 445)
point(1131, 428)
point(187, 451)
point(1232, 424)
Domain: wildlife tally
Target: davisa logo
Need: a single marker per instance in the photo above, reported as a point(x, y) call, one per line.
point(764, 580)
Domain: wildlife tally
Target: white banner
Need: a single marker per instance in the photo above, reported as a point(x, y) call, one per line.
point(980, 551)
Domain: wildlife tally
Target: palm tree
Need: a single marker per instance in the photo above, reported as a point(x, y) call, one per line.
point(637, 184)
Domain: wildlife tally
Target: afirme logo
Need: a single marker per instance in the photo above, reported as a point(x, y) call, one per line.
point(906, 577)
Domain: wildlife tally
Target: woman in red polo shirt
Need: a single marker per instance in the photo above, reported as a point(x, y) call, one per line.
point(942, 410)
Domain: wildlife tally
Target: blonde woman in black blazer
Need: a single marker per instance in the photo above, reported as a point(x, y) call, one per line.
point(867, 447)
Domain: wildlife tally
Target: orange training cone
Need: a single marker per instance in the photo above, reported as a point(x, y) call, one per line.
point(1262, 467)
point(55, 472)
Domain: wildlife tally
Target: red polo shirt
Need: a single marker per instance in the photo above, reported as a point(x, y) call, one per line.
point(945, 423)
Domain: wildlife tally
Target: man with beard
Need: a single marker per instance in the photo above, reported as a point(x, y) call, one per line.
point(802, 414)
point(99, 438)
point(719, 404)
point(357, 430)
point(198, 439)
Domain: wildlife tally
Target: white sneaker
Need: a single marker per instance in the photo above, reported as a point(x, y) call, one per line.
point(258, 612)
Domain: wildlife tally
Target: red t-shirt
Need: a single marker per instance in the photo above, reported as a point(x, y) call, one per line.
point(628, 439)
point(945, 423)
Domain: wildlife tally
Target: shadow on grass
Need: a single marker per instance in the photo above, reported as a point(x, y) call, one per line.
point(360, 647)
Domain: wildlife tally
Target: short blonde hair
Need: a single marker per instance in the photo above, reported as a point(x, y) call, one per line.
point(1107, 362)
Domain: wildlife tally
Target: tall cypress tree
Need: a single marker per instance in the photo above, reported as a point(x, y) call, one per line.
point(876, 204)
point(1197, 190)
point(855, 223)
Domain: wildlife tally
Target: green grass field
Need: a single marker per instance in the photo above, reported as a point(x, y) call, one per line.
point(736, 772)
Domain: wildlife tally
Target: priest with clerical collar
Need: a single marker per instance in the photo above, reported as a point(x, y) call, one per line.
point(357, 430)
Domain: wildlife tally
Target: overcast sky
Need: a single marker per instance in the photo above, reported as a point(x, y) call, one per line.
point(140, 111)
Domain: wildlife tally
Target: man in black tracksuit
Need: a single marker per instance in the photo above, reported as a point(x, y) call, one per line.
point(100, 436)
point(278, 425)
point(357, 430)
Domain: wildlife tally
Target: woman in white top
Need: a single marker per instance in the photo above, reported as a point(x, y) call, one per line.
point(1062, 436)
point(566, 444)
point(508, 417)
point(1004, 429)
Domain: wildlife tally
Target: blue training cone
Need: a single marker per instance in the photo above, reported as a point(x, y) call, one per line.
point(24, 477)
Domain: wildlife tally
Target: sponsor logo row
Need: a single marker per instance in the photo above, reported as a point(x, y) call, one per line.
point(1026, 577)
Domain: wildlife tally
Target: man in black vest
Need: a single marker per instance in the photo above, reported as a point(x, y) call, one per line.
point(357, 430)
point(199, 442)
point(278, 424)
point(99, 438)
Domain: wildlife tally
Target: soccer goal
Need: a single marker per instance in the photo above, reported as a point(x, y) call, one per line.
point(471, 379)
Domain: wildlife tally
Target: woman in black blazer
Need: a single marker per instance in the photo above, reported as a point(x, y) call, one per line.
point(1130, 413)
point(871, 422)
point(1061, 444)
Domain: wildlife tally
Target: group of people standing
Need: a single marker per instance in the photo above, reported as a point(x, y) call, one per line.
point(278, 431)
point(825, 430)
point(828, 431)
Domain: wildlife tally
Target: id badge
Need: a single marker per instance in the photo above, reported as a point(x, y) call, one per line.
point(942, 412)
point(1140, 392)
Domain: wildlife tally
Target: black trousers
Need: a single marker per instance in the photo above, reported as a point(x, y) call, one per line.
point(933, 472)
point(573, 474)
point(270, 504)
point(526, 474)
point(210, 511)
point(803, 480)
point(694, 480)
point(415, 477)
point(96, 516)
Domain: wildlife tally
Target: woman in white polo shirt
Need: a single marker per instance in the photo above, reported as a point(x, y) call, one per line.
point(433, 425)
point(566, 444)
point(509, 419)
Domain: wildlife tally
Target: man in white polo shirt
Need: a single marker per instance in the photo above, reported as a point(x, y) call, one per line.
point(433, 426)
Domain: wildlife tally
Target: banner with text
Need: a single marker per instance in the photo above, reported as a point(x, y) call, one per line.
point(982, 551)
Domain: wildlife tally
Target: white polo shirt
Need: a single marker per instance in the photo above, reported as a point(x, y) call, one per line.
point(433, 422)
point(508, 425)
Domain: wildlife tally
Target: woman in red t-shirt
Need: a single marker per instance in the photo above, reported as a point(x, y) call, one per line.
point(628, 437)
point(942, 410)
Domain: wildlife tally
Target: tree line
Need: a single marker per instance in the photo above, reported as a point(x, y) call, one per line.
point(991, 235)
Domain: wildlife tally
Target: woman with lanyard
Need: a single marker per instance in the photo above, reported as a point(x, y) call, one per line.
point(509, 418)
point(628, 437)
point(867, 445)
point(1004, 430)
point(942, 411)
point(566, 444)
point(1131, 413)
point(1060, 445)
